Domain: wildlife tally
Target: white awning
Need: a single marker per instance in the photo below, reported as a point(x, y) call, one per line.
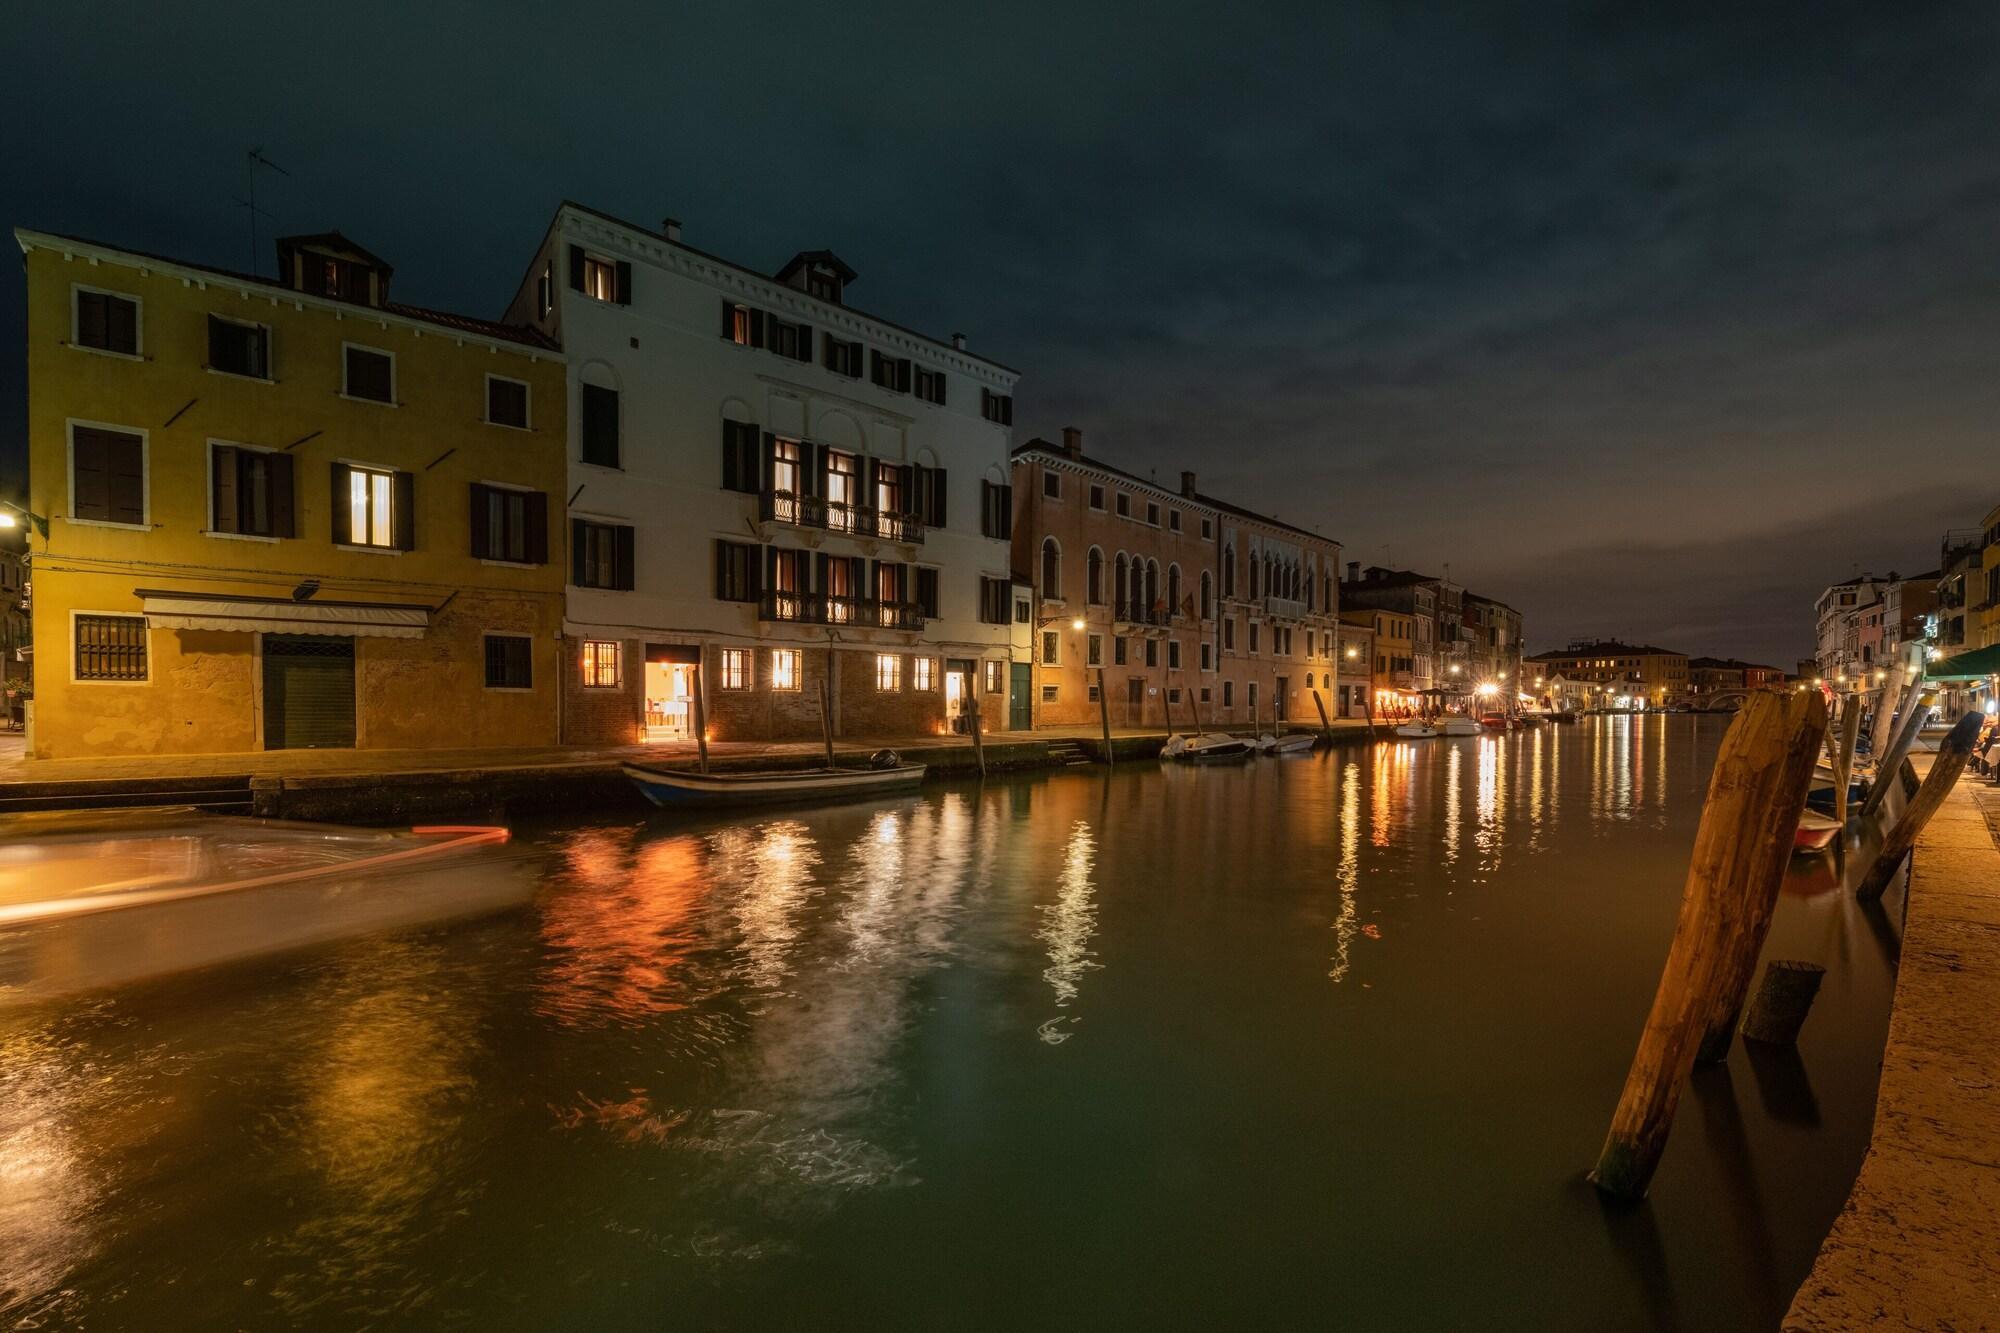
point(368, 620)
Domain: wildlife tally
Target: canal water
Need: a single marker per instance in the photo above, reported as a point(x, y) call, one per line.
point(1321, 1042)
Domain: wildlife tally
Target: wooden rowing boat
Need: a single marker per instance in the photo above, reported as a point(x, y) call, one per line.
point(1815, 831)
point(677, 789)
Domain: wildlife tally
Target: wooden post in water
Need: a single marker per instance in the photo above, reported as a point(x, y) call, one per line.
point(826, 717)
point(1951, 757)
point(1782, 1002)
point(1886, 696)
point(1104, 716)
point(1843, 764)
point(1325, 727)
point(972, 720)
point(1756, 790)
point(1913, 710)
point(700, 719)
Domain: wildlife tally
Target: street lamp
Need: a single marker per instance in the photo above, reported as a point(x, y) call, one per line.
point(8, 519)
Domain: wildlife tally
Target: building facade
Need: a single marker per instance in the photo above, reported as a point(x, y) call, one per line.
point(16, 631)
point(285, 514)
point(1413, 596)
point(1492, 631)
point(1280, 617)
point(1607, 673)
point(770, 493)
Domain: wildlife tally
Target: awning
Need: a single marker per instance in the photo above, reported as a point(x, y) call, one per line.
point(1975, 665)
point(271, 615)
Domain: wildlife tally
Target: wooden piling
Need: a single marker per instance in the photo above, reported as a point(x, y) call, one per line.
point(1104, 716)
point(1782, 1002)
point(1843, 764)
point(1913, 710)
point(1325, 727)
point(1755, 793)
point(700, 719)
point(972, 721)
point(826, 719)
point(1951, 758)
point(1886, 696)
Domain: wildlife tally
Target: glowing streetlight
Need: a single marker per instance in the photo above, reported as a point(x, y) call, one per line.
point(1077, 623)
point(1488, 689)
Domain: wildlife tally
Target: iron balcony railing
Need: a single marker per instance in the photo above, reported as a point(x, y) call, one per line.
point(819, 608)
point(1139, 613)
point(812, 511)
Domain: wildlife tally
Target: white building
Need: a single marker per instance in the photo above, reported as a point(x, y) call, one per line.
point(772, 484)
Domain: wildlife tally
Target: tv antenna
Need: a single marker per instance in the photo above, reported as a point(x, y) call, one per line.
point(251, 161)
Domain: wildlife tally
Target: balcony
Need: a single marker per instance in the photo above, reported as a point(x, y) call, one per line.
point(811, 511)
point(1127, 612)
point(818, 608)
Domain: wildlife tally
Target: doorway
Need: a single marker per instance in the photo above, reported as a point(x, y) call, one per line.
point(1020, 697)
point(1281, 692)
point(308, 692)
point(670, 691)
point(960, 680)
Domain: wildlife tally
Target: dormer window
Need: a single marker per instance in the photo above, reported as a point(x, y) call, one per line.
point(817, 273)
point(824, 285)
point(332, 266)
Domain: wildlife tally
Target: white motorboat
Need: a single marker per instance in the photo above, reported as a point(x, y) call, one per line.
point(1456, 724)
point(1416, 731)
point(1205, 748)
point(1297, 742)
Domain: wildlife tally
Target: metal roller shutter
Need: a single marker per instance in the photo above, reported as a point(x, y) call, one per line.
point(308, 692)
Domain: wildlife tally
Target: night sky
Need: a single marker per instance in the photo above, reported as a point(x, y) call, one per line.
point(1648, 324)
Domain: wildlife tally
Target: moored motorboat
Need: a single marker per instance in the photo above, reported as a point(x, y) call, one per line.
point(98, 898)
point(1494, 721)
point(680, 789)
point(1416, 731)
point(1457, 724)
point(1297, 742)
point(1815, 831)
point(1207, 748)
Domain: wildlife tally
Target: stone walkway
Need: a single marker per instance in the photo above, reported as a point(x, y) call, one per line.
point(1918, 1244)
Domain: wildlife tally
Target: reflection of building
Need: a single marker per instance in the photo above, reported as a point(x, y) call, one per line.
point(285, 514)
point(768, 482)
point(1606, 673)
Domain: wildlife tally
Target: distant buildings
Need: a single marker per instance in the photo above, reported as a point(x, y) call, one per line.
point(1608, 673)
point(1862, 622)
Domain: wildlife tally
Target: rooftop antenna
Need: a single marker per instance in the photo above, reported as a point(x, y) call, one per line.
point(251, 161)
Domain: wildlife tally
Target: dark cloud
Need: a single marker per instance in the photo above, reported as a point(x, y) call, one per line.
point(1515, 290)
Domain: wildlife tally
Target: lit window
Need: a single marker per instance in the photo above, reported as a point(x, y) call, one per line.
point(996, 677)
point(735, 668)
point(786, 673)
point(371, 507)
point(601, 664)
point(888, 672)
point(923, 673)
point(600, 278)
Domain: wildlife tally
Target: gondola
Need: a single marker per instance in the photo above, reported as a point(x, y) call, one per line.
point(681, 790)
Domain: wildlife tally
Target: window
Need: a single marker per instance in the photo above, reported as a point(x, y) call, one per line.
point(1250, 695)
point(1207, 601)
point(250, 491)
point(738, 570)
point(929, 385)
point(601, 554)
point(1207, 530)
point(740, 455)
point(1229, 571)
point(1124, 506)
point(1253, 636)
point(785, 465)
point(510, 525)
point(365, 510)
point(890, 372)
point(843, 357)
point(509, 664)
point(506, 402)
point(371, 374)
point(788, 339)
point(1173, 654)
point(1153, 514)
point(928, 502)
point(1021, 613)
point(1052, 485)
point(787, 671)
point(1229, 635)
point(1050, 694)
point(923, 673)
point(1204, 694)
point(107, 322)
point(1093, 577)
point(111, 648)
point(107, 481)
point(996, 510)
point(236, 348)
point(997, 407)
point(1174, 519)
point(602, 667)
point(1207, 655)
point(1229, 694)
point(1051, 647)
point(1051, 570)
point(600, 278)
point(1090, 692)
point(735, 673)
point(1173, 694)
point(996, 677)
point(1152, 652)
point(927, 592)
point(1097, 498)
point(1093, 652)
point(992, 601)
point(600, 425)
point(888, 672)
point(1118, 650)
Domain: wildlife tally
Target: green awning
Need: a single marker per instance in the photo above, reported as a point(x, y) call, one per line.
point(1975, 665)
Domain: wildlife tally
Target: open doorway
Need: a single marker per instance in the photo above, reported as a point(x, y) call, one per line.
point(670, 691)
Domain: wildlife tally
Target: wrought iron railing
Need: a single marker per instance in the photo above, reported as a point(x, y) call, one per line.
point(812, 511)
point(819, 608)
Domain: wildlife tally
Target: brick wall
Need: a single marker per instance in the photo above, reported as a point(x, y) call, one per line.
point(761, 713)
point(867, 711)
point(599, 716)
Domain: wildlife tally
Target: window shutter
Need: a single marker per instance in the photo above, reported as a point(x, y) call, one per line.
point(903, 375)
point(576, 551)
point(223, 487)
point(731, 449)
point(819, 572)
point(927, 591)
point(756, 328)
point(482, 535)
point(343, 505)
point(125, 478)
point(406, 511)
point(919, 498)
point(122, 319)
point(937, 517)
point(576, 268)
point(906, 487)
point(90, 327)
point(812, 466)
point(624, 283)
point(284, 521)
point(805, 348)
point(535, 513)
point(764, 454)
point(621, 576)
point(729, 319)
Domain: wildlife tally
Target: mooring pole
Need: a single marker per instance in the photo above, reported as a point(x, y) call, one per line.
point(1104, 715)
point(1899, 748)
point(1951, 758)
point(1843, 765)
point(1782, 1002)
point(1755, 794)
point(700, 719)
point(826, 716)
point(1325, 727)
point(1886, 696)
point(972, 718)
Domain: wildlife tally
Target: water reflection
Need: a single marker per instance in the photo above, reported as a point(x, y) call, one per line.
point(1348, 873)
point(48, 1187)
point(620, 940)
point(765, 873)
point(1067, 926)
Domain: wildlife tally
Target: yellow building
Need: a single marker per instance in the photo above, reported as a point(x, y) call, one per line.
point(1983, 619)
point(1394, 645)
point(285, 514)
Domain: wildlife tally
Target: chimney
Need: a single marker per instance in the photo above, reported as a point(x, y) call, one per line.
point(958, 342)
point(672, 227)
point(1072, 441)
point(1187, 484)
point(1354, 571)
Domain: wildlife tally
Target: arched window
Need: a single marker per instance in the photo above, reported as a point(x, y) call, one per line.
point(1309, 680)
point(1152, 584)
point(1205, 601)
point(1094, 578)
point(1138, 588)
point(1229, 571)
point(1051, 569)
point(1119, 590)
point(1309, 589)
point(1174, 589)
point(1254, 562)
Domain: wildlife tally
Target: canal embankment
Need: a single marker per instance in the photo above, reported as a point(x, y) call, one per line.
point(386, 786)
point(1915, 1245)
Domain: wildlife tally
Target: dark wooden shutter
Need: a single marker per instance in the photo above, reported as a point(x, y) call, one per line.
point(756, 328)
point(937, 517)
point(815, 469)
point(343, 505)
point(535, 512)
point(125, 477)
point(804, 351)
point(122, 324)
point(722, 549)
point(576, 268)
point(906, 486)
point(729, 319)
point(482, 535)
point(918, 501)
point(927, 591)
point(577, 538)
point(406, 511)
point(820, 560)
point(90, 320)
point(770, 446)
point(622, 560)
point(624, 283)
point(224, 485)
point(284, 510)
